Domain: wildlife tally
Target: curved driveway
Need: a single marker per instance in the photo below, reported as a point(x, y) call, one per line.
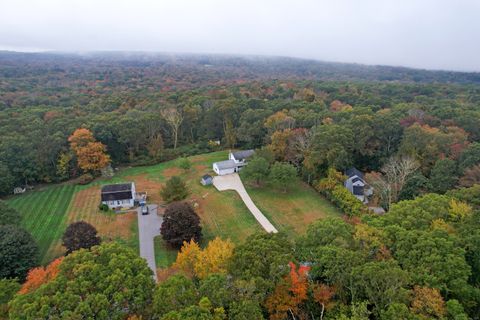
point(233, 182)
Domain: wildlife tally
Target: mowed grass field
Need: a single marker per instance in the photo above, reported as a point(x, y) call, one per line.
point(47, 212)
point(293, 211)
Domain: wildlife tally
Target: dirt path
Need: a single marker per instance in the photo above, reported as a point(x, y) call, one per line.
point(233, 182)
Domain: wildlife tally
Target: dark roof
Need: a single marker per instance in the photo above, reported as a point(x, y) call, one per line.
point(117, 187)
point(240, 155)
point(356, 179)
point(354, 172)
point(358, 190)
point(207, 177)
point(227, 164)
point(121, 191)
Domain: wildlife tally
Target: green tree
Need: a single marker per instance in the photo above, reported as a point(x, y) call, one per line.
point(282, 175)
point(8, 288)
point(382, 283)
point(417, 184)
point(8, 215)
point(18, 252)
point(174, 294)
point(174, 190)
point(108, 282)
point(245, 310)
point(444, 175)
point(180, 224)
point(263, 258)
point(470, 156)
point(7, 180)
point(80, 235)
point(331, 145)
point(218, 289)
point(257, 170)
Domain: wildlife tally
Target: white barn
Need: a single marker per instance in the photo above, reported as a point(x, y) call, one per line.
point(119, 195)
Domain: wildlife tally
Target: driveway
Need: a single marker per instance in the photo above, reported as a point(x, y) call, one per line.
point(149, 228)
point(233, 182)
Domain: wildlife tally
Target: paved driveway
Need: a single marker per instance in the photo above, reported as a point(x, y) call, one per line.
point(149, 228)
point(233, 182)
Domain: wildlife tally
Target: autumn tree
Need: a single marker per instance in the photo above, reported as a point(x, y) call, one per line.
point(180, 223)
point(389, 184)
point(287, 297)
point(91, 155)
point(40, 275)
point(471, 177)
point(80, 235)
point(428, 303)
point(174, 119)
point(323, 295)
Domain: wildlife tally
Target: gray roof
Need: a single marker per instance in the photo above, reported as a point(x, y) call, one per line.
point(354, 172)
point(227, 164)
point(207, 177)
point(121, 191)
point(243, 154)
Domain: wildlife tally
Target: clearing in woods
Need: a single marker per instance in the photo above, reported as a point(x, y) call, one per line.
point(47, 212)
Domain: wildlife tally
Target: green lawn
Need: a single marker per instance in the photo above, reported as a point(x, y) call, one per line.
point(44, 214)
point(293, 211)
point(47, 212)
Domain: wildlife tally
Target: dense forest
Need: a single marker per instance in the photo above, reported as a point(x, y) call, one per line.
point(415, 134)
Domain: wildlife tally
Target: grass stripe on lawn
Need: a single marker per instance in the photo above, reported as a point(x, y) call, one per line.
point(43, 214)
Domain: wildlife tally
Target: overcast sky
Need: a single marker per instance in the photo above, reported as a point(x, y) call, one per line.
point(432, 34)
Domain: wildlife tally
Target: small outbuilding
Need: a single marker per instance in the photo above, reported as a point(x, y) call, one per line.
point(356, 184)
point(206, 180)
point(120, 195)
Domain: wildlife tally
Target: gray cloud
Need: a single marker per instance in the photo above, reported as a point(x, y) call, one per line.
point(433, 34)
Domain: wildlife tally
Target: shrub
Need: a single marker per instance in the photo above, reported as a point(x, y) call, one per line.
point(174, 190)
point(80, 235)
point(334, 191)
point(184, 163)
point(103, 207)
point(180, 223)
point(85, 179)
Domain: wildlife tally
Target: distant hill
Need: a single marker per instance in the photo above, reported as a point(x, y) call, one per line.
point(203, 69)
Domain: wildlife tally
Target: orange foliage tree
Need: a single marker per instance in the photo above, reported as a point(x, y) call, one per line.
point(40, 275)
point(91, 155)
point(428, 302)
point(289, 294)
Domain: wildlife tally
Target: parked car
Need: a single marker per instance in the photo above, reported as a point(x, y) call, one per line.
point(145, 210)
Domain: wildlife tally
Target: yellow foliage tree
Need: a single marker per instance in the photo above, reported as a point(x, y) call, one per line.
point(187, 258)
point(193, 261)
point(459, 210)
point(214, 258)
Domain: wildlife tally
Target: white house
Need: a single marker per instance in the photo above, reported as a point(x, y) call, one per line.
point(119, 195)
point(236, 160)
point(357, 186)
point(240, 156)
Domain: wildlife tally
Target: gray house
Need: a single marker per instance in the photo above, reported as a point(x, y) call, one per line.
point(357, 185)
